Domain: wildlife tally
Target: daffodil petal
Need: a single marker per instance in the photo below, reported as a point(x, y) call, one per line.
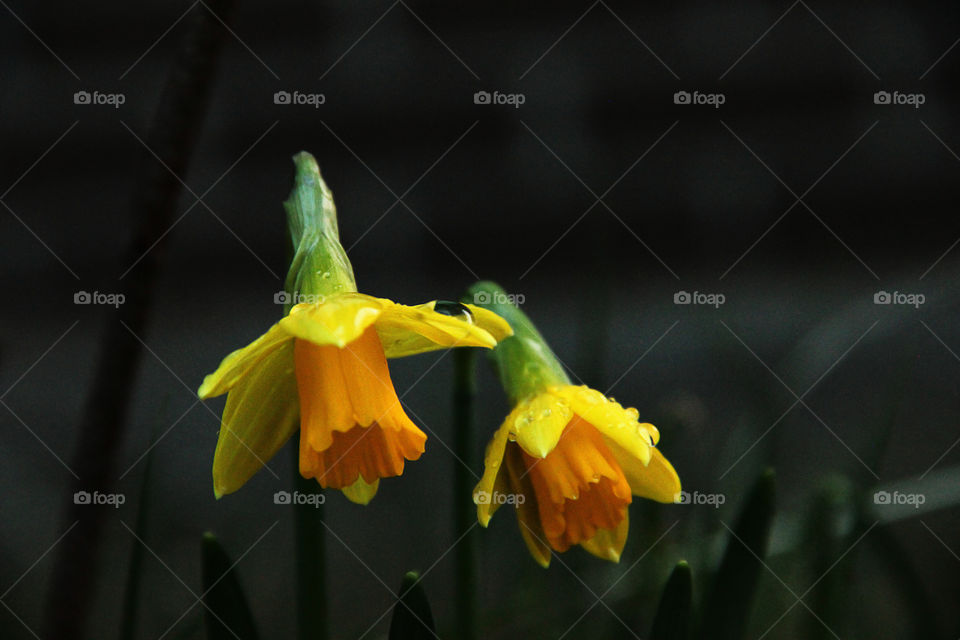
point(261, 414)
point(657, 480)
point(538, 423)
point(612, 420)
point(239, 363)
point(407, 331)
point(490, 322)
point(337, 321)
point(361, 491)
point(492, 469)
point(528, 516)
point(608, 544)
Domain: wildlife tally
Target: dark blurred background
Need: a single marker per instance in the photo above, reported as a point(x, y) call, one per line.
point(597, 200)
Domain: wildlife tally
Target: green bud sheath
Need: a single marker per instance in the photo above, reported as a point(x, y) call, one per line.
point(524, 361)
point(320, 266)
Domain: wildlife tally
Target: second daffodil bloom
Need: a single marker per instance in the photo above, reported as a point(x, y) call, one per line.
point(323, 367)
point(576, 456)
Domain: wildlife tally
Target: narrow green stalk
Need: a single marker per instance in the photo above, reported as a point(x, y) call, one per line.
point(319, 266)
point(464, 515)
point(524, 361)
point(310, 544)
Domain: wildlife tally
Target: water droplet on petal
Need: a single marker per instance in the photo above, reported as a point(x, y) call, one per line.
point(454, 309)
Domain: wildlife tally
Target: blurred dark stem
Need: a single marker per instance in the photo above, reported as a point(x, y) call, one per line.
point(310, 545)
point(464, 397)
point(172, 138)
point(131, 594)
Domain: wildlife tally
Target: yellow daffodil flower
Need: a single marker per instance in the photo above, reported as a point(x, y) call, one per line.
point(569, 458)
point(323, 367)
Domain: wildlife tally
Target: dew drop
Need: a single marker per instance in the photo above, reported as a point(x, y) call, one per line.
point(454, 309)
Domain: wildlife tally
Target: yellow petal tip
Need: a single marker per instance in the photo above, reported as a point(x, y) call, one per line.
point(361, 492)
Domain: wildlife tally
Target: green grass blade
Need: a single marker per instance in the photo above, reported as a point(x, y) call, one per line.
point(412, 619)
point(226, 611)
point(672, 621)
point(726, 610)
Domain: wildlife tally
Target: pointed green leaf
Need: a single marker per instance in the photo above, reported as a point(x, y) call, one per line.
point(726, 610)
point(227, 613)
point(412, 619)
point(672, 621)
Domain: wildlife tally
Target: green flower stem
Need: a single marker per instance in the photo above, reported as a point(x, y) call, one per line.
point(464, 513)
point(320, 266)
point(310, 556)
point(524, 361)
